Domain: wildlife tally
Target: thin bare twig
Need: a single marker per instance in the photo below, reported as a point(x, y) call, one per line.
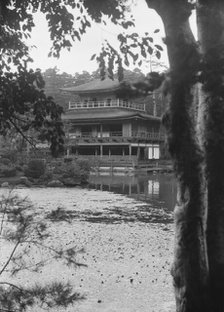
point(4, 212)
point(3, 219)
point(28, 267)
point(12, 285)
point(10, 257)
point(44, 246)
point(6, 310)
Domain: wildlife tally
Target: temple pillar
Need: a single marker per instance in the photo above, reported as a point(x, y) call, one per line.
point(129, 188)
point(67, 151)
point(101, 130)
point(101, 150)
point(130, 150)
point(138, 152)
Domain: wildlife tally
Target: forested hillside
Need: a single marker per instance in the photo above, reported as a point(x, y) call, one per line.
point(54, 81)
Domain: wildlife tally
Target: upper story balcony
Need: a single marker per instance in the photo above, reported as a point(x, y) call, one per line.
point(109, 103)
point(115, 136)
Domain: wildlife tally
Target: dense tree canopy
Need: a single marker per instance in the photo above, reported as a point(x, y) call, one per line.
point(67, 22)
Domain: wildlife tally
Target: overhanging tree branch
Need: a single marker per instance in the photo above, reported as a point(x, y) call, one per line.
point(22, 134)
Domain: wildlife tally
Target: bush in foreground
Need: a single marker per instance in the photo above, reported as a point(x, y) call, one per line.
point(22, 227)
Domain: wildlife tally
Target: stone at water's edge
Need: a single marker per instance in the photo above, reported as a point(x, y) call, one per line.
point(55, 183)
point(71, 182)
point(24, 181)
point(5, 184)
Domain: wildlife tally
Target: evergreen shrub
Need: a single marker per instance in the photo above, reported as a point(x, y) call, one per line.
point(10, 155)
point(35, 168)
point(46, 177)
point(5, 161)
point(76, 170)
point(71, 170)
point(84, 164)
point(7, 171)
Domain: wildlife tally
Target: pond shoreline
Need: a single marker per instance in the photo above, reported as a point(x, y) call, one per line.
point(128, 249)
point(22, 180)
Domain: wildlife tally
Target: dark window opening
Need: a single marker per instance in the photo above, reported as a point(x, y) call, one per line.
point(114, 130)
point(86, 130)
point(90, 150)
point(109, 102)
point(126, 151)
point(94, 102)
point(134, 151)
point(116, 151)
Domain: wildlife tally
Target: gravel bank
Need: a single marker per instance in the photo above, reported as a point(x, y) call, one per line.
point(128, 250)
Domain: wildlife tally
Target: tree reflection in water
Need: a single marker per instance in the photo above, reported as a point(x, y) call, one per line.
point(157, 189)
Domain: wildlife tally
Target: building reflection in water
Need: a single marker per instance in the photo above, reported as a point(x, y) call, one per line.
point(153, 187)
point(157, 189)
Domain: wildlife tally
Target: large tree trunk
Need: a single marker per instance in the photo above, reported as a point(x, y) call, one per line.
point(210, 17)
point(190, 268)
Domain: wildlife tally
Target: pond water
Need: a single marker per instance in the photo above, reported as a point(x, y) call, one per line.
point(128, 242)
point(157, 189)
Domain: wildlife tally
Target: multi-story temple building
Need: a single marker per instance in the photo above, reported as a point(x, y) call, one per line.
point(102, 126)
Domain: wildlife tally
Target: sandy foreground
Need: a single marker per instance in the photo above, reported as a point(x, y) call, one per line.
point(128, 250)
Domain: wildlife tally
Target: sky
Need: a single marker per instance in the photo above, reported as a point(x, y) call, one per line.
point(78, 58)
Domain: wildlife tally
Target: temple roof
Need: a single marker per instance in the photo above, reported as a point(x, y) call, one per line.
point(104, 114)
point(95, 85)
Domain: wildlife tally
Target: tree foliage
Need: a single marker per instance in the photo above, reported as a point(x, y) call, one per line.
point(26, 233)
point(23, 102)
point(24, 106)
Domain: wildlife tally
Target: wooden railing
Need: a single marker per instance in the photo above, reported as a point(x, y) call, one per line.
point(117, 134)
point(106, 103)
point(108, 159)
point(148, 135)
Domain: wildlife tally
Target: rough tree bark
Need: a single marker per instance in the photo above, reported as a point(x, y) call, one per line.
point(190, 268)
point(210, 18)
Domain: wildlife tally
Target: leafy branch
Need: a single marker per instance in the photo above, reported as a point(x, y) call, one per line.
point(133, 48)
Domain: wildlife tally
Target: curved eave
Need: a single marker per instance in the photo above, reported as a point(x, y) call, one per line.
point(93, 117)
point(70, 90)
point(94, 86)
